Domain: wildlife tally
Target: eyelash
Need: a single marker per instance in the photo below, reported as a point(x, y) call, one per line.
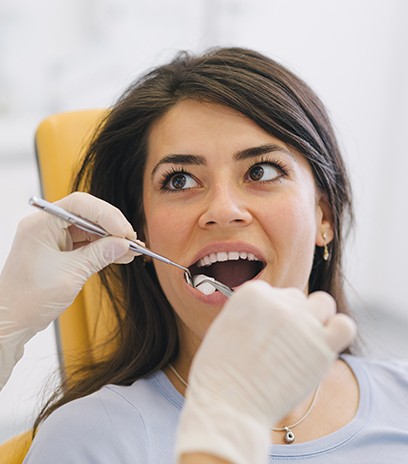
point(167, 175)
point(277, 164)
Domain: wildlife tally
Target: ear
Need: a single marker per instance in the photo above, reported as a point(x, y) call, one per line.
point(324, 221)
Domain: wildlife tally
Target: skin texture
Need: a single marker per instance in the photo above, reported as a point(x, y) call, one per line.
point(281, 216)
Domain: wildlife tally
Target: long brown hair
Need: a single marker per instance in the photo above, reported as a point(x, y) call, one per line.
point(259, 88)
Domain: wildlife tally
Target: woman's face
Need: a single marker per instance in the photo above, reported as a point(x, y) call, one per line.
point(218, 188)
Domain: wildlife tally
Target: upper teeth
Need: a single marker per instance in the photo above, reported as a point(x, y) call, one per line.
point(225, 256)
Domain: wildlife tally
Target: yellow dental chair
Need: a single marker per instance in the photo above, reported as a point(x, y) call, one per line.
point(60, 142)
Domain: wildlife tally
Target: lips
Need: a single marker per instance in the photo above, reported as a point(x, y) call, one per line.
point(231, 264)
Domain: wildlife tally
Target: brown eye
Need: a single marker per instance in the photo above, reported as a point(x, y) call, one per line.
point(256, 172)
point(263, 172)
point(178, 181)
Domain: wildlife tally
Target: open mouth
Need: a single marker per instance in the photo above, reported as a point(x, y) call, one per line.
point(232, 268)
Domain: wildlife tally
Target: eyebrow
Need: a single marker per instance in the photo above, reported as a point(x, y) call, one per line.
point(182, 158)
point(242, 155)
point(253, 152)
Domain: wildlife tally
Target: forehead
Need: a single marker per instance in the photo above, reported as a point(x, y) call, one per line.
point(212, 131)
point(203, 128)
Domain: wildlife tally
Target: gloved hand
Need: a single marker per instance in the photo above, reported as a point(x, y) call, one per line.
point(264, 353)
point(49, 262)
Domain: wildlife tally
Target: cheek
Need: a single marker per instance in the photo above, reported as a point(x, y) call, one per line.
point(158, 224)
point(292, 216)
point(167, 227)
point(161, 227)
point(291, 227)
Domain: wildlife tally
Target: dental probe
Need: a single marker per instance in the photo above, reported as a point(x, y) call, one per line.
point(91, 227)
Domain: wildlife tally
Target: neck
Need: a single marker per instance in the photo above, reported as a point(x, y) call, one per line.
point(183, 370)
point(338, 388)
point(337, 404)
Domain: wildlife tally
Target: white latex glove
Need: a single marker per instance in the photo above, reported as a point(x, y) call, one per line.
point(49, 262)
point(264, 353)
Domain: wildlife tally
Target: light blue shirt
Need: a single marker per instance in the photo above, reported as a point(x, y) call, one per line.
point(137, 424)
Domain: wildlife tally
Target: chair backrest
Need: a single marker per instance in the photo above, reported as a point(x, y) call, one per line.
point(60, 143)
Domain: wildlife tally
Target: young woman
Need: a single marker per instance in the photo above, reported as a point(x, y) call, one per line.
point(227, 164)
point(49, 262)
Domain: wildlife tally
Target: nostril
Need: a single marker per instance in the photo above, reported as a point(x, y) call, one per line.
point(225, 212)
point(225, 222)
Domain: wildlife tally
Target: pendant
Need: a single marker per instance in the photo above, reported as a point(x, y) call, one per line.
point(289, 436)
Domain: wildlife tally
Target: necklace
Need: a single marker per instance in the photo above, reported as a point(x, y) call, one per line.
point(289, 436)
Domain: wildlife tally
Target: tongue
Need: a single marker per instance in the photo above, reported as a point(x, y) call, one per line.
point(233, 273)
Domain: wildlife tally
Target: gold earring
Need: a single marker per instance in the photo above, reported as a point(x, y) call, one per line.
point(326, 253)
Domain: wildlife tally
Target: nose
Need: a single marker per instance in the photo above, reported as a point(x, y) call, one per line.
point(225, 207)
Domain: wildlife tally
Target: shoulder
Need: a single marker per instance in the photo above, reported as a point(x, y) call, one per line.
point(396, 369)
point(385, 380)
point(116, 418)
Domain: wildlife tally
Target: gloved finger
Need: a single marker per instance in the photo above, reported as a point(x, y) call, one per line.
point(93, 257)
point(322, 306)
point(99, 211)
point(127, 258)
point(340, 332)
point(81, 240)
point(292, 295)
point(130, 255)
point(81, 237)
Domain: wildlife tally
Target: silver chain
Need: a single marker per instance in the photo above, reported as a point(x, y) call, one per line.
point(289, 435)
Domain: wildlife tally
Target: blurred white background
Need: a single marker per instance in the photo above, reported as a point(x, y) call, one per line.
point(73, 54)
